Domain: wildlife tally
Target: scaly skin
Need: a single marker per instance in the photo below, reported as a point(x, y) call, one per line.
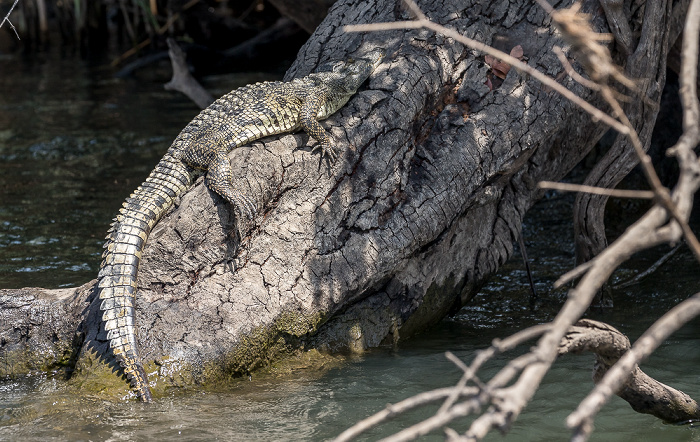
point(237, 118)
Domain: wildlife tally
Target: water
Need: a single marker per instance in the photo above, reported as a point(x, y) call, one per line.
point(74, 143)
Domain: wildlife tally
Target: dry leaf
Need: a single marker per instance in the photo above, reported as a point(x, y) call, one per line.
point(517, 52)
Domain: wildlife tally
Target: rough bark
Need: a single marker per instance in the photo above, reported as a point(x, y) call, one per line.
point(644, 393)
point(423, 205)
point(40, 330)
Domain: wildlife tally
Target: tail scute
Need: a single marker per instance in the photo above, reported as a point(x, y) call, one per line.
point(126, 239)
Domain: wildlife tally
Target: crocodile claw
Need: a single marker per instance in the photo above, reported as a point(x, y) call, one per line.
point(327, 151)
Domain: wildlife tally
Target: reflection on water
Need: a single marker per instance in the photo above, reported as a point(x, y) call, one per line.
point(57, 204)
point(74, 143)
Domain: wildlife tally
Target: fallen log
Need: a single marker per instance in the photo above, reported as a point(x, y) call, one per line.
point(440, 160)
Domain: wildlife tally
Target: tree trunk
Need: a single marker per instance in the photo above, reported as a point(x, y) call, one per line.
point(646, 64)
point(423, 205)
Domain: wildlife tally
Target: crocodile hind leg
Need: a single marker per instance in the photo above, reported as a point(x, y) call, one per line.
point(219, 179)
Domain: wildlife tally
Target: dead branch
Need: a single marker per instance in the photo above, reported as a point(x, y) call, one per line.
point(654, 267)
point(642, 392)
point(683, 197)
point(183, 81)
point(451, 409)
point(7, 19)
point(416, 401)
point(566, 187)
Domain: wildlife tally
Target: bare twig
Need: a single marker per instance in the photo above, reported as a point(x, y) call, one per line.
point(437, 421)
point(413, 7)
point(619, 193)
point(662, 194)
point(182, 80)
point(7, 19)
point(390, 411)
point(475, 396)
point(654, 267)
point(581, 79)
point(469, 374)
point(573, 274)
point(576, 29)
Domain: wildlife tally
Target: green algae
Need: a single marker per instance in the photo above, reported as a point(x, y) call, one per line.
point(299, 324)
point(267, 351)
point(58, 359)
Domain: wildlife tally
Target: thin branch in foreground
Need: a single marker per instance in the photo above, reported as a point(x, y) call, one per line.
point(413, 7)
point(475, 396)
point(618, 193)
point(7, 19)
point(390, 411)
point(468, 375)
point(575, 27)
point(580, 78)
point(574, 273)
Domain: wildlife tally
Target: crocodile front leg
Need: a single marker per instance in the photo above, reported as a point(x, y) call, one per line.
point(308, 120)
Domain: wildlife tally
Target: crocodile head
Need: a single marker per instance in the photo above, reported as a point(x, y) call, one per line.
point(343, 78)
point(346, 76)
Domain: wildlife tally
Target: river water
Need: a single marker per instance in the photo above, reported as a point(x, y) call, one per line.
point(74, 142)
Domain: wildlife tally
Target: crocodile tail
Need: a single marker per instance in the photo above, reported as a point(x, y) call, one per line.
point(125, 241)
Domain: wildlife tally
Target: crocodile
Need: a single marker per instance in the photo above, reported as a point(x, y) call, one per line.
point(237, 118)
